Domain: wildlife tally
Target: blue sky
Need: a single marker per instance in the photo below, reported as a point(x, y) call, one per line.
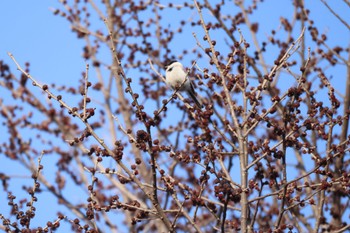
point(32, 33)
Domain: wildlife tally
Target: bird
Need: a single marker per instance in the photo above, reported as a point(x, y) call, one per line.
point(176, 77)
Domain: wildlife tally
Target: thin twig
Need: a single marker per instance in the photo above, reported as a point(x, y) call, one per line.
point(85, 89)
point(336, 15)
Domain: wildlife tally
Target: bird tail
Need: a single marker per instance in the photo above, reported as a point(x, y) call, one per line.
point(193, 96)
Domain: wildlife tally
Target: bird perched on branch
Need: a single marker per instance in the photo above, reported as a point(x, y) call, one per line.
point(176, 77)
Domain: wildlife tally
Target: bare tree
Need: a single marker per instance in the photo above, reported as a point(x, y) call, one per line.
point(269, 152)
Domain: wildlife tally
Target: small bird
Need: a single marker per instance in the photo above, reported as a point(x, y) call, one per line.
point(176, 76)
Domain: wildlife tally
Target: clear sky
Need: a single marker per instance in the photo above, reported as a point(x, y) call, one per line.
point(33, 34)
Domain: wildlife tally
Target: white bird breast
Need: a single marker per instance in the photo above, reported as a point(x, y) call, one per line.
point(176, 77)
